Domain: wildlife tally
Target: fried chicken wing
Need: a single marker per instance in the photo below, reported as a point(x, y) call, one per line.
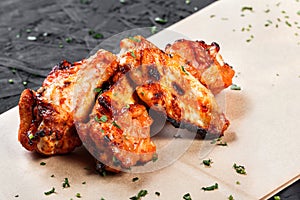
point(46, 116)
point(163, 83)
point(118, 132)
point(205, 63)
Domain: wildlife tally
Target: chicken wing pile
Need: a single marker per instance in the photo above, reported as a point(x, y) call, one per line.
point(103, 101)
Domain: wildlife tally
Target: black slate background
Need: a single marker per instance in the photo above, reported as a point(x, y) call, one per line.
point(63, 29)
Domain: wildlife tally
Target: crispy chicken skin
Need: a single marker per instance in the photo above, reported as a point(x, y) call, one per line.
point(46, 116)
point(118, 132)
point(163, 83)
point(205, 63)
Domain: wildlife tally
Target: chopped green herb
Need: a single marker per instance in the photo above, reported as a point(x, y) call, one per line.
point(210, 188)
point(277, 197)
point(78, 195)
point(18, 35)
point(160, 20)
point(103, 118)
point(97, 119)
point(183, 69)
point(98, 36)
point(102, 198)
point(247, 8)
point(132, 54)
point(267, 11)
point(157, 194)
point(278, 4)
point(298, 13)
point(135, 179)
point(60, 45)
point(235, 87)
point(239, 169)
point(13, 70)
point(187, 196)
point(212, 16)
point(153, 29)
point(83, 183)
point(31, 136)
point(127, 106)
point(207, 162)
point(122, 1)
point(42, 163)
point(187, 1)
point(134, 39)
point(28, 30)
point(66, 183)
point(230, 197)
point(52, 176)
point(17, 196)
point(116, 125)
point(50, 191)
point(287, 23)
point(222, 144)
point(141, 194)
point(24, 83)
point(91, 32)
point(98, 90)
point(283, 12)
point(154, 157)
point(68, 39)
point(11, 81)
point(238, 183)
point(142, 93)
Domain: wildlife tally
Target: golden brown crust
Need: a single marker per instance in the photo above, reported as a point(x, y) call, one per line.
point(205, 63)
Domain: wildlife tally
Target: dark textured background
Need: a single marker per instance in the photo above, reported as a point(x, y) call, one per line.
point(37, 34)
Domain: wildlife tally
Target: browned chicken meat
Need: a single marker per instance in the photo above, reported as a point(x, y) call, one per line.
point(205, 63)
point(114, 124)
point(118, 133)
point(46, 116)
point(164, 84)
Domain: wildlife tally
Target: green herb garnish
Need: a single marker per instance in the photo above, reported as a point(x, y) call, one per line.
point(135, 179)
point(98, 36)
point(103, 118)
point(50, 191)
point(277, 197)
point(66, 183)
point(52, 176)
point(24, 83)
point(83, 183)
point(78, 195)
point(239, 169)
point(247, 8)
point(288, 23)
point(16, 196)
point(207, 162)
point(183, 69)
point(98, 90)
point(153, 29)
point(11, 81)
point(210, 188)
point(160, 20)
point(132, 54)
point(68, 39)
point(116, 125)
point(97, 119)
point(235, 87)
point(141, 194)
point(154, 157)
point(238, 183)
point(298, 13)
point(157, 194)
point(42, 163)
point(187, 196)
point(230, 197)
point(31, 136)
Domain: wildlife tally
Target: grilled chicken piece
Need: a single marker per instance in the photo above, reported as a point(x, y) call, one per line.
point(206, 63)
point(163, 83)
point(118, 133)
point(46, 116)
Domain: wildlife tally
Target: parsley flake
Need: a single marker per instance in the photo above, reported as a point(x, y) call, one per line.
point(187, 196)
point(78, 195)
point(66, 183)
point(211, 188)
point(42, 163)
point(239, 169)
point(230, 197)
point(247, 8)
point(141, 194)
point(135, 179)
point(207, 162)
point(50, 191)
